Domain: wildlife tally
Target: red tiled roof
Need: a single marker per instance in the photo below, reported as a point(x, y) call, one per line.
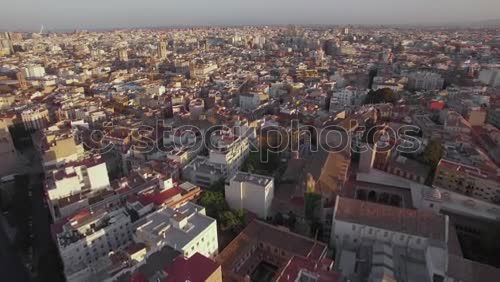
point(137, 277)
point(195, 269)
point(159, 198)
point(415, 222)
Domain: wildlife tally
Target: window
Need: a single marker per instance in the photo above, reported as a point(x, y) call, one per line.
point(402, 237)
point(386, 233)
point(353, 227)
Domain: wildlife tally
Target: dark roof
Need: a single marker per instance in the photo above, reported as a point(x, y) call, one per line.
point(465, 270)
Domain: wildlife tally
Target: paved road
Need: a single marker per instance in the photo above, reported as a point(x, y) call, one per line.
point(10, 264)
point(45, 257)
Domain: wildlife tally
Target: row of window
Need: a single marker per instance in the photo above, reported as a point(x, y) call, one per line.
point(386, 234)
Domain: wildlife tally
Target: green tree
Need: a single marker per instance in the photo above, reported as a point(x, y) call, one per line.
point(383, 95)
point(214, 202)
point(217, 186)
point(232, 220)
point(312, 202)
point(431, 157)
point(432, 153)
point(262, 162)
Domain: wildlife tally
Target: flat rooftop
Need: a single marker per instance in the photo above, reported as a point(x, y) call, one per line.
point(159, 223)
point(257, 179)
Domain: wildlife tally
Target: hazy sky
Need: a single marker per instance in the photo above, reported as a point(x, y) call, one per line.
point(80, 14)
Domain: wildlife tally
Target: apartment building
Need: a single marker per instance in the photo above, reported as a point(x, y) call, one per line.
point(34, 71)
point(73, 179)
point(251, 192)
point(230, 152)
point(59, 150)
point(85, 174)
point(468, 180)
point(185, 228)
point(347, 96)
point(201, 70)
point(89, 236)
point(223, 161)
point(425, 81)
point(35, 118)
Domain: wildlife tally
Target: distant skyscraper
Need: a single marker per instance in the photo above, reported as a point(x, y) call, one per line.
point(123, 55)
point(162, 50)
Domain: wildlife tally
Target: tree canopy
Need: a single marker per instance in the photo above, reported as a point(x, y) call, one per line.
point(216, 207)
point(261, 163)
point(431, 156)
point(214, 202)
point(380, 96)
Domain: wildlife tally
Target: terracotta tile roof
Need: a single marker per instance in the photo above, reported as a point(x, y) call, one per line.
point(419, 223)
point(257, 232)
point(197, 268)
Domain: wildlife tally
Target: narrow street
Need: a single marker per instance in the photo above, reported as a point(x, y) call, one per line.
point(46, 262)
point(11, 265)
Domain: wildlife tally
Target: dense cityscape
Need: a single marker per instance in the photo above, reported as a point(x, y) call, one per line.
point(250, 153)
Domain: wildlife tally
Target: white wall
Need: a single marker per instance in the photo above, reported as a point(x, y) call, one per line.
point(98, 176)
point(249, 196)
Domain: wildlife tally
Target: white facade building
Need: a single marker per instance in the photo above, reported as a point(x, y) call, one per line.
point(186, 229)
point(346, 96)
point(251, 192)
point(224, 160)
point(34, 71)
point(232, 155)
point(35, 118)
point(89, 237)
point(88, 174)
point(425, 81)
